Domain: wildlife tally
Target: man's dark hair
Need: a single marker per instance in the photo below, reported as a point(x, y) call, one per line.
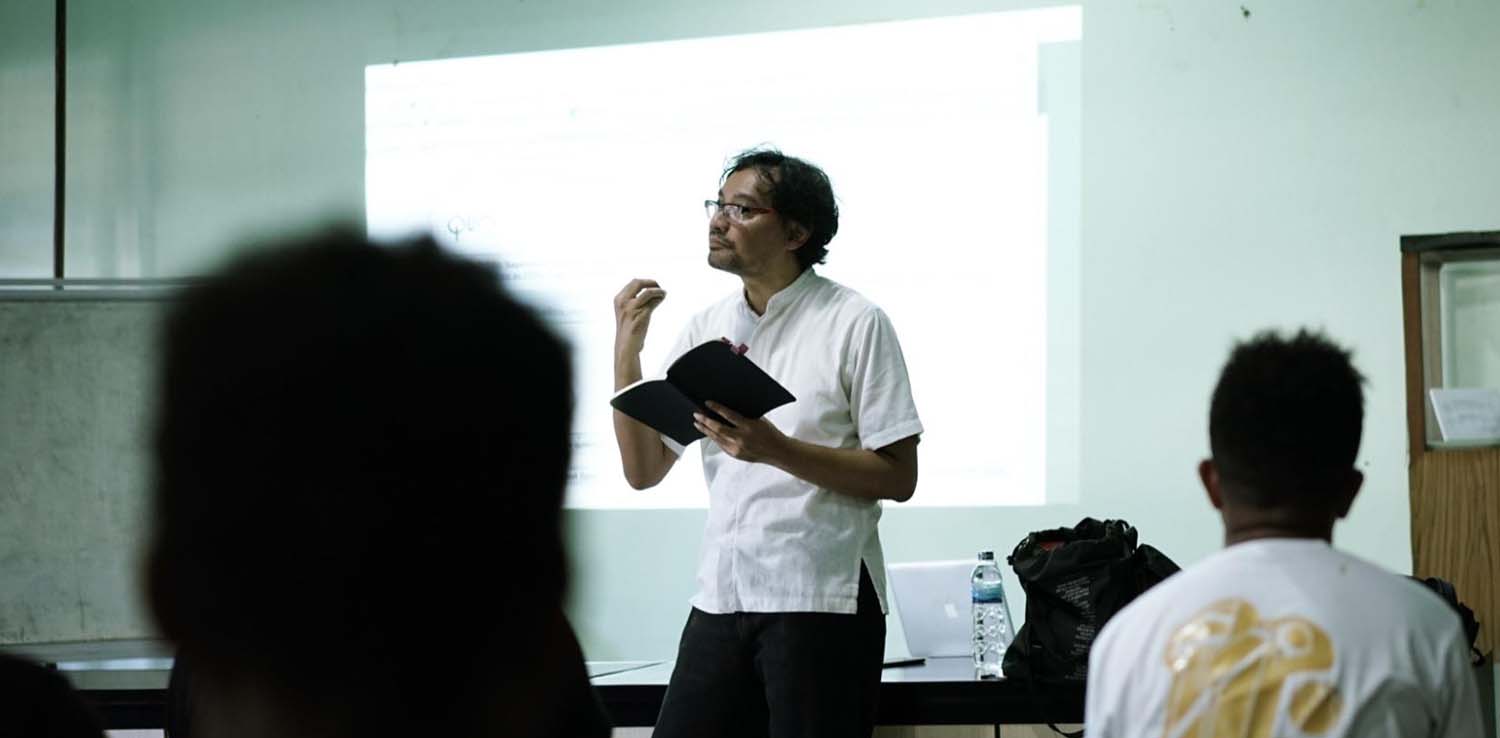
point(800, 192)
point(1286, 420)
point(361, 453)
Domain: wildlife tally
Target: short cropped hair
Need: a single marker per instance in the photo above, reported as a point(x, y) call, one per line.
point(1286, 420)
point(360, 457)
point(800, 192)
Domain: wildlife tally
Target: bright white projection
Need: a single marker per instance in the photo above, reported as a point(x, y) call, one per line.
point(577, 170)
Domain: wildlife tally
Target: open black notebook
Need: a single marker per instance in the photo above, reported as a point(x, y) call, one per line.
point(711, 371)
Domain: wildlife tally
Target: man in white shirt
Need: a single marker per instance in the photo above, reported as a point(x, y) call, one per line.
point(1280, 634)
point(787, 631)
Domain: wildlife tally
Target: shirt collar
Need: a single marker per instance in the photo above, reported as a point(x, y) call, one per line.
point(787, 295)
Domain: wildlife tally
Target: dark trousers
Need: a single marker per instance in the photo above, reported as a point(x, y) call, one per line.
point(777, 675)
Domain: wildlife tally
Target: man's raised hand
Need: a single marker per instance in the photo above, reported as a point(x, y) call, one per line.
point(633, 307)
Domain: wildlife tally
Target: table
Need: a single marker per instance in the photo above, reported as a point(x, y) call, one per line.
point(126, 681)
point(936, 692)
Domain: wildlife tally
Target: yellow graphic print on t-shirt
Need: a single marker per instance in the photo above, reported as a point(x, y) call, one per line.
point(1236, 676)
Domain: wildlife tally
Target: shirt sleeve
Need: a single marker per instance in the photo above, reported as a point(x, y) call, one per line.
point(1098, 695)
point(1458, 694)
point(880, 400)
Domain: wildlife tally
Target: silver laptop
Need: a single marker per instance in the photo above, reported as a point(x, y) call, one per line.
point(933, 600)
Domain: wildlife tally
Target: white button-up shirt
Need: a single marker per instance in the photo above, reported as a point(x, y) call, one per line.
point(773, 542)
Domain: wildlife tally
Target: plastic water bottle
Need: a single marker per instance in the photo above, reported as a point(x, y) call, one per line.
point(992, 631)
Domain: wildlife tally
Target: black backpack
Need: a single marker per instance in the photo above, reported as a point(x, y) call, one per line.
point(1445, 590)
point(1075, 580)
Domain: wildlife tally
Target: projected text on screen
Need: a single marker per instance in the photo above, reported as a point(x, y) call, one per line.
point(577, 170)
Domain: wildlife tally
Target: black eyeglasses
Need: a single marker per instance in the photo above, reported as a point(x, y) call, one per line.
point(734, 211)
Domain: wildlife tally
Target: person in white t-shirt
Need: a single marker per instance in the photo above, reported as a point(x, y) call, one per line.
point(787, 631)
point(1280, 634)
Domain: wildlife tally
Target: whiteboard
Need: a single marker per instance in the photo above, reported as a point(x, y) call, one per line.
point(76, 380)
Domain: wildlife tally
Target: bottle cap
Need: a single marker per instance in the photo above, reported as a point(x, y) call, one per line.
point(986, 555)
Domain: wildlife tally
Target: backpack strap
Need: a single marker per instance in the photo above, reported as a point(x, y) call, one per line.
point(1030, 680)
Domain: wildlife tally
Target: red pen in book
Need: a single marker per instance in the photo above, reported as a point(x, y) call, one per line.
point(738, 348)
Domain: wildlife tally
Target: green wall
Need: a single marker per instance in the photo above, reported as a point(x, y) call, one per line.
point(1237, 172)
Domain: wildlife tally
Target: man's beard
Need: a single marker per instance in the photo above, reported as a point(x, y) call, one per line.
point(724, 260)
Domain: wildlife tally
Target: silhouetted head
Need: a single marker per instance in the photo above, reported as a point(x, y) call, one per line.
point(361, 453)
point(37, 702)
